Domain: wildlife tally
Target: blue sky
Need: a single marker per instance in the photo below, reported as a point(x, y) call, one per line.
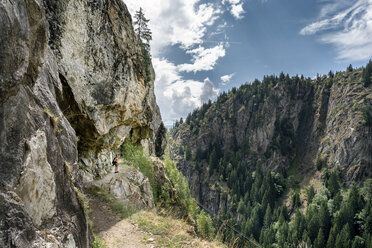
point(201, 48)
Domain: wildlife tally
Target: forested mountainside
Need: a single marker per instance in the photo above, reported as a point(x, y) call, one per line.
point(286, 160)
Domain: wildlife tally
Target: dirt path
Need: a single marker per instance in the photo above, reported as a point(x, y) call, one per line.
point(123, 234)
point(143, 229)
point(115, 232)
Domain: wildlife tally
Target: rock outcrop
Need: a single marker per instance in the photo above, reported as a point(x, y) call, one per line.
point(72, 89)
point(129, 185)
point(106, 96)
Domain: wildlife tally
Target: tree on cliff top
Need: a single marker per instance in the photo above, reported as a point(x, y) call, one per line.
point(142, 29)
point(367, 74)
point(160, 136)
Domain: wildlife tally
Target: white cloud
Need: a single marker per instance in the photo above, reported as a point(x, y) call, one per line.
point(203, 59)
point(226, 78)
point(220, 29)
point(176, 21)
point(322, 25)
point(208, 91)
point(184, 23)
point(331, 7)
point(236, 8)
point(237, 11)
point(177, 96)
point(349, 29)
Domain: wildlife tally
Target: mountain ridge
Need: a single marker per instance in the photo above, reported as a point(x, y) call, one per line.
point(274, 118)
point(258, 155)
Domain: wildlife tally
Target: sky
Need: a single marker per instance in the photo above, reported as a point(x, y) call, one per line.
point(201, 48)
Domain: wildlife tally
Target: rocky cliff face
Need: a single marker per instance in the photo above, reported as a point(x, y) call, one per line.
point(289, 125)
point(106, 97)
point(72, 89)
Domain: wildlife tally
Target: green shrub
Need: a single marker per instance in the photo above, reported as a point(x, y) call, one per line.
point(204, 226)
point(135, 156)
point(182, 187)
point(98, 243)
point(321, 162)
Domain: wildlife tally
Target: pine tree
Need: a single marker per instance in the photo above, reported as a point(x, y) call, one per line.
point(187, 153)
point(299, 224)
point(241, 207)
point(355, 199)
point(282, 234)
point(343, 238)
point(144, 34)
point(332, 183)
point(367, 74)
point(213, 161)
point(142, 29)
point(268, 237)
point(319, 241)
point(368, 240)
point(296, 201)
point(332, 237)
point(310, 193)
point(267, 217)
point(313, 226)
point(367, 226)
point(358, 242)
point(368, 183)
point(160, 136)
point(324, 219)
point(204, 225)
point(188, 119)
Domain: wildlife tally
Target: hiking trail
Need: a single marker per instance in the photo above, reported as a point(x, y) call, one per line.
point(142, 229)
point(114, 231)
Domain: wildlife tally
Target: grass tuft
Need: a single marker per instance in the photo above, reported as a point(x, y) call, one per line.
point(54, 118)
point(169, 232)
point(83, 200)
point(68, 168)
point(117, 206)
point(98, 243)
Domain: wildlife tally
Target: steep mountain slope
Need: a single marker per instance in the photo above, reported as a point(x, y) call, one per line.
point(266, 141)
point(73, 88)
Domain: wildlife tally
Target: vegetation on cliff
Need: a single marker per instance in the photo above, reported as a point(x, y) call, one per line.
point(171, 193)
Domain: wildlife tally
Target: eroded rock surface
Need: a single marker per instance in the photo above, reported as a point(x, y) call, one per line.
point(37, 187)
point(72, 89)
point(106, 96)
point(129, 185)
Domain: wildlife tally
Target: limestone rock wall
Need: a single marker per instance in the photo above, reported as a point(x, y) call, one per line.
point(72, 89)
point(38, 206)
point(107, 98)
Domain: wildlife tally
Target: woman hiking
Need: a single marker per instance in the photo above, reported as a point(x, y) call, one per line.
point(116, 163)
